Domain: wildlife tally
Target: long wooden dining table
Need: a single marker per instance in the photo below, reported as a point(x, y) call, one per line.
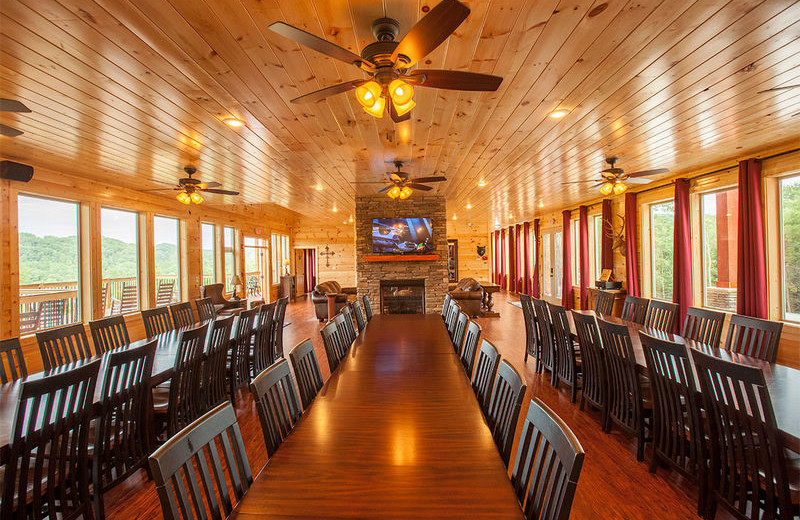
point(396, 432)
point(783, 383)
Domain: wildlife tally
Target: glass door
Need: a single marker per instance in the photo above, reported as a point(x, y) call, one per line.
point(256, 268)
point(547, 264)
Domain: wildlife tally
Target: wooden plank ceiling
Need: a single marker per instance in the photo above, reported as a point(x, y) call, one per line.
point(130, 91)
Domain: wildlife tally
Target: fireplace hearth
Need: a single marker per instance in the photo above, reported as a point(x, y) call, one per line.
point(403, 296)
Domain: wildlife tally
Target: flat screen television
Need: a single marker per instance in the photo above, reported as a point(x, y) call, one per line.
point(400, 236)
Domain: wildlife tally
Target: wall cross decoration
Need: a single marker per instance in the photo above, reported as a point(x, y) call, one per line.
point(327, 254)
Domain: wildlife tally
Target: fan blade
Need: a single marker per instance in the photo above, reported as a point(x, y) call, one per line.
point(580, 182)
point(12, 105)
point(397, 118)
point(639, 180)
point(318, 44)
point(647, 172)
point(387, 188)
point(8, 131)
point(420, 187)
point(367, 182)
point(162, 189)
point(430, 32)
point(455, 80)
point(776, 89)
point(429, 179)
point(322, 93)
point(221, 192)
point(206, 185)
point(395, 177)
point(615, 171)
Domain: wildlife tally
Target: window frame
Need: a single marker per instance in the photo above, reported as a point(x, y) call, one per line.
point(782, 291)
point(698, 247)
point(226, 249)
point(178, 289)
point(651, 248)
point(213, 228)
point(137, 234)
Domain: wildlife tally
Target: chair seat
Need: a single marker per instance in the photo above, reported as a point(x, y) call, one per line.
point(160, 399)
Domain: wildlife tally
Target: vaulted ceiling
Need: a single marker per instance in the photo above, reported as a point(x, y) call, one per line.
point(131, 91)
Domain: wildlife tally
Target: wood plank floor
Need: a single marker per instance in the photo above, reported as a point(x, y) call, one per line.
point(613, 485)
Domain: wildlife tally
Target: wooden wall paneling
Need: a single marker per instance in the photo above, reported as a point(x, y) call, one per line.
point(190, 254)
point(91, 256)
point(470, 265)
point(147, 262)
point(341, 240)
point(9, 261)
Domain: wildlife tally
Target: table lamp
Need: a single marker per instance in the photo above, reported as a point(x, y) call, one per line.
point(236, 282)
point(286, 263)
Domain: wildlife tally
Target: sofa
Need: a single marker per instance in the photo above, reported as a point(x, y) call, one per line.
point(221, 304)
point(468, 292)
point(320, 297)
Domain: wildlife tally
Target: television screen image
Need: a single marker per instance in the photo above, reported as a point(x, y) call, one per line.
point(402, 235)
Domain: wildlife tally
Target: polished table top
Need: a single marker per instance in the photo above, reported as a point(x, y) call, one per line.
point(396, 432)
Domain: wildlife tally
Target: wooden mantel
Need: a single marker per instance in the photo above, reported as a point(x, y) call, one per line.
point(400, 258)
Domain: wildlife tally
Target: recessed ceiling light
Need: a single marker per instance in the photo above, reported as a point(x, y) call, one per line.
point(318, 187)
point(541, 204)
point(559, 113)
point(335, 209)
point(233, 122)
point(469, 206)
point(454, 217)
point(482, 183)
point(350, 220)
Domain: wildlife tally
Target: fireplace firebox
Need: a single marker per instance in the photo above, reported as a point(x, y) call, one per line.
point(403, 296)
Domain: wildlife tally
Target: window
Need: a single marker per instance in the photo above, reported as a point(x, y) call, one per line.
point(790, 239)
point(49, 263)
point(280, 256)
point(720, 217)
point(575, 238)
point(255, 268)
point(597, 226)
point(662, 224)
point(166, 252)
point(228, 256)
point(119, 233)
point(547, 265)
point(209, 245)
point(558, 261)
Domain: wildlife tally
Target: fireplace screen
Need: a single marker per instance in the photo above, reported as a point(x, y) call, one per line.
point(403, 296)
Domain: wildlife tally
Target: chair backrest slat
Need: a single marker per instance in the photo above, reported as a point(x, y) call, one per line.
point(592, 365)
point(335, 345)
point(347, 319)
point(528, 317)
point(263, 350)
point(703, 325)
point(470, 347)
point(277, 326)
point(205, 309)
point(624, 391)
point(12, 362)
point(306, 370)
point(214, 383)
point(359, 314)
point(63, 345)
point(182, 315)
point(503, 409)
point(661, 315)
point(605, 303)
point(566, 360)
point(635, 309)
point(367, 307)
point(754, 337)
point(547, 356)
point(460, 332)
point(109, 333)
point(446, 306)
point(485, 371)
point(240, 374)
point(185, 398)
point(156, 321)
point(277, 403)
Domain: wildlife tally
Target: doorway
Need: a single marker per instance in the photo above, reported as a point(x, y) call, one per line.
point(256, 268)
point(306, 265)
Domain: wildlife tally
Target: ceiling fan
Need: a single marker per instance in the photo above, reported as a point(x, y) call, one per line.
point(400, 186)
point(11, 105)
point(190, 188)
point(613, 179)
point(388, 62)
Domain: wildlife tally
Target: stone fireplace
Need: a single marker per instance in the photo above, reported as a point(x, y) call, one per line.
point(403, 296)
point(432, 273)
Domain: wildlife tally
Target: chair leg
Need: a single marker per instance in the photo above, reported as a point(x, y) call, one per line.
point(640, 445)
point(574, 392)
point(654, 464)
point(582, 405)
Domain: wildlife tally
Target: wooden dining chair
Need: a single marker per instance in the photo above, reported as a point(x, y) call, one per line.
point(109, 333)
point(278, 322)
point(548, 465)
point(184, 467)
point(627, 407)
point(749, 466)
point(605, 303)
point(262, 353)
point(461, 330)
point(181, 403)
point(754, 337)
point(239, 366)
point(704, 326)
point(546, 360)
point(335, 345)
point(359, 315)
point(12, 362)
point(120, 445)
point(504, 406)
point(215, 365)
point(469, 350)
point(635, 309)
point(661, 315)
point(205, 309)
point(306, 370)
point(46, 469)
point(63, 345)
point(678, 436)
point(347, 316)
point(276, 403)
point(485, 371)
point(367, 308)
point(446, 306)
point(346, 332)
point(156, 321)
point(595, 384)
point(182, 315)
point(452, 317)
point(530, 325)
point(568, 364)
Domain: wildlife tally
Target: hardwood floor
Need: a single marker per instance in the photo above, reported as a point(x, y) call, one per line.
point(612, 485)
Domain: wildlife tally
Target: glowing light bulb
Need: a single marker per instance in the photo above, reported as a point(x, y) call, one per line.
point(184, 198)
point(405, 192)
point(403, 109)
point(620, 188)
point(394, 192)
point(606, 188)
point(376, 110)
point(368, 93)
point(400, 92)
point(196, 198)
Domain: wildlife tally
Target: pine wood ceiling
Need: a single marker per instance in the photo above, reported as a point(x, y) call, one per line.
point(132, 91)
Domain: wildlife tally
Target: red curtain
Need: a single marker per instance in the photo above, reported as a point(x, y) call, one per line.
point(631, 249)
point(518, 255)
point(751, 291)
point(583, 225)
point(496, 257)
point(535, 275)
point(607, 241)
point(309, 261)
point(567, 294)
point(503, 253)
point(682, 252)
point(526, 257)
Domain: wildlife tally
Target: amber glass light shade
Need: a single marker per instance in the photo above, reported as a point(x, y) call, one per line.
point(376, 110)
point(403, 109)
point(401, 92)
point(196, 198)
point(394, 192)
point(184, 198)
point(620, 188)
point(606, 188)
point(368, 94)
point(406, 192)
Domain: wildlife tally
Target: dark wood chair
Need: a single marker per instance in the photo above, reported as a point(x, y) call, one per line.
point(530, 326)
point(181, 403)
point(239, 365)
point(452, 317)
point(568, 364)
point(704, 326)
point(548, 465)
point(661, 315)
point(130, 299)
point(504, 406)
point(263, 352)
point(109, 333)
point(605, 303)
point(277, 326)
point(12, 362)
point(678, 437)
point(485, 371)
point(347, 317)
point(367, 307)
point(306, 370)
point(546, 360)
point(182, 315)
point(468, 352)
point(635, 309)
point(346, 331)
point(754, 337)
point(749, 466)
point(63, 345)
point(183, 475)
point(627, 407)
point(120, 444)
point(205, 309)
point(276, 403)
point(215, 365)
point(46, 470)
point(164, 293)
point(156, 321)
point(446, 306)
point(359, 315)
point(335, 345)
point(595, 385)
point(461, 330)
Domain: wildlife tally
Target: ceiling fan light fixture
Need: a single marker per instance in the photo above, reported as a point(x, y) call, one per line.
point(404, 109)
point(184, 198)
point(620, 188)
point(376, 110)
point(196, 198)
point(401, 93)
point(406, 192)
point(368, 94)
point(394, 192)
point(606, 188)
